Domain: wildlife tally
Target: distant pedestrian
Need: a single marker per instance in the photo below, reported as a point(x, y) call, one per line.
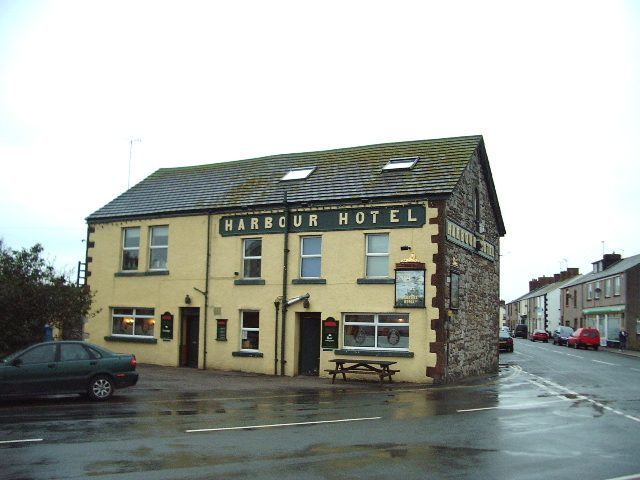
point(622, 338)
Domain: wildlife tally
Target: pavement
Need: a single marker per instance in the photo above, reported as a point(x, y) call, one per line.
point(157, 378)
point(628, 353)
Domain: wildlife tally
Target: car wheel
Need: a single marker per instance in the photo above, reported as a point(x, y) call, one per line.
point(595, 347)
point(100, 388)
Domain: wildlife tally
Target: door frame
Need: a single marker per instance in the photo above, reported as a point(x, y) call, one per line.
point(309, 318)
point(189, 321)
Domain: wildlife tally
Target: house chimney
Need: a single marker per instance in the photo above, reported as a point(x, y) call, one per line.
point(609, 259)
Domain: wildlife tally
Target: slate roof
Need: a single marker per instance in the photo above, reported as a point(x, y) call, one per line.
point(342, 175)
point(619, 267)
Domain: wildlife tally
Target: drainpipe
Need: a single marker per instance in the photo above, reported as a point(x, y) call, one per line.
point(284, 284)
point(206, 291)
point(275, 349)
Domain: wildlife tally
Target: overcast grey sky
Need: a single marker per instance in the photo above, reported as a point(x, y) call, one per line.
point(552, 86)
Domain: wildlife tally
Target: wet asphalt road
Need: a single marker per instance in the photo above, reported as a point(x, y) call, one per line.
point(550, 413)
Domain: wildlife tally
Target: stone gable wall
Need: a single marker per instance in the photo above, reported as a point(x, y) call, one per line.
point(473, 328)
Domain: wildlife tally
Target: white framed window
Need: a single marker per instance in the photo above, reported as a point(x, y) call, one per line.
point(135, 322)
point(130, 248)
point(607, 287)
point(597, 291)
point(158, 247)
point(297, 174)
point(250, 330)
point(617, 285)
point(310, 257)
point(376, 331)
point(406, 163)
point(590, 291)
point(377, 255)
point(251, 257)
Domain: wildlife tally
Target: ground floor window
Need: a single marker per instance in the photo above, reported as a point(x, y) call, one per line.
point(139, 322)
point(608, 325)
point(250, 330)
point(376, 331)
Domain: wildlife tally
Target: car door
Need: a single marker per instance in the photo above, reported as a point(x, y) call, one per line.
point(31, 372)
point(74, 368)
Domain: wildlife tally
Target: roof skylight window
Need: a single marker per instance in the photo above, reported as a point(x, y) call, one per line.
point(298, 173)
point(406, 163)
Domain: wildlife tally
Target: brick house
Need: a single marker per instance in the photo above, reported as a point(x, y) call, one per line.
point(607, 298)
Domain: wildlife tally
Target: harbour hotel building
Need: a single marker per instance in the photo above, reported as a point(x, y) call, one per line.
point(276, 265)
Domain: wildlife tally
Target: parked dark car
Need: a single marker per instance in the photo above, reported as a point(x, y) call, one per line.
point(521, 331)
point(585, 338)
point(539, 336)
point(505, 342)
point(561, 334)
point(52, 368)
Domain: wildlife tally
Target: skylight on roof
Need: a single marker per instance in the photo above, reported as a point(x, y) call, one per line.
point(298, 173)
point(406, 163)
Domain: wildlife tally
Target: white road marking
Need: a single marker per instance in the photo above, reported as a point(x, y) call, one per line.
point(4, 442)
point(572, 355)
point(606, 363)
point(513, 407)
point(635, 369)
point(635, 476)
point(251, 427)
point(582, 397)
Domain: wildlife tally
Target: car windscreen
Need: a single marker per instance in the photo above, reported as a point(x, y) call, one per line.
point(504, 334)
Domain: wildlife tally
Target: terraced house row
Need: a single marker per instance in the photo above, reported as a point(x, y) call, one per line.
point(280, 264)
point(607, 298)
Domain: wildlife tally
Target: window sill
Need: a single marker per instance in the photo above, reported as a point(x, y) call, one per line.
point(243, 353)
point(373, 353)
point(376, 281)
point(249, 281)
point(142, 274)
point(132, 339)
point(309, 281)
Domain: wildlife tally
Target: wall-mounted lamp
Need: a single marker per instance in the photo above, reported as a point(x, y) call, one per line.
point(306, 303)
point(187, 299)
point(405, 247)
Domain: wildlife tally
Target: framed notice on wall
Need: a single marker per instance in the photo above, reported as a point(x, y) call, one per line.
point(410, 290)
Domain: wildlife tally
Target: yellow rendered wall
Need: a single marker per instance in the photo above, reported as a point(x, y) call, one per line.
point(186, 265)
point(343, 261)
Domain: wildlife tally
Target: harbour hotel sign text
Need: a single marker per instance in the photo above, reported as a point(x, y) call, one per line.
point(404, 216)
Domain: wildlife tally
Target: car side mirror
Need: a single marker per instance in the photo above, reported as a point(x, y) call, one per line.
point(17, 362)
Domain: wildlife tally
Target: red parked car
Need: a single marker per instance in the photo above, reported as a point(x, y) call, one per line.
point(539, 336)
point(584, 337)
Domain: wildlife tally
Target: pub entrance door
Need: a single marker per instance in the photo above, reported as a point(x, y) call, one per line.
point(189, 337)
point(309, 356)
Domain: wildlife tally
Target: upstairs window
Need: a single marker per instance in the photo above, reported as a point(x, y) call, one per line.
point(377, 256)
point(130, 248)
point(252, 257)
point(158, 248)
point(311, 257)
point(617, 283)
point(298, 173)
point(406, 163)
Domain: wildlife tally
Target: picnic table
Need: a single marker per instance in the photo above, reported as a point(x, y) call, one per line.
point(360, 366)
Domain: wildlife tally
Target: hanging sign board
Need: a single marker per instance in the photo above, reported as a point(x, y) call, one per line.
point(166, 326)
point(330, 333)
point(410, 283)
